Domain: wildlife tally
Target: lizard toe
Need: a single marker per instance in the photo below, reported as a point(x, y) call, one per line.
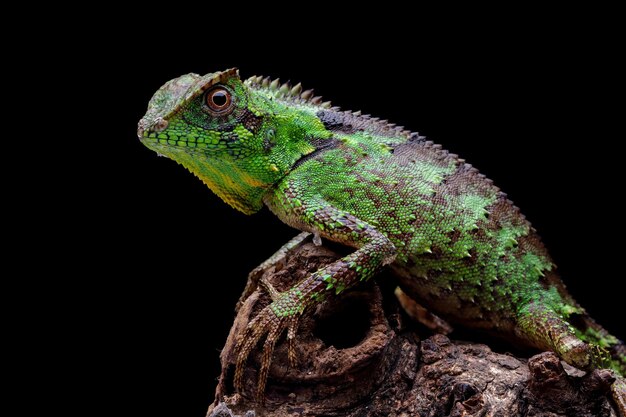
point(271, 325)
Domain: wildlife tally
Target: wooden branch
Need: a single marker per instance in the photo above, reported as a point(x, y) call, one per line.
point(359, 355)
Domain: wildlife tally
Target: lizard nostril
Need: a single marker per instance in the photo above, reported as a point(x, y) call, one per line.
point(160, 125)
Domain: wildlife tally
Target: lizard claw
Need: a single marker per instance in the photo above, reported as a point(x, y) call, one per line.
point(269, 288)
point(251, 285)
point(271, 321)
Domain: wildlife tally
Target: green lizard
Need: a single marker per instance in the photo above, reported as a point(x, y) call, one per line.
point(457, 244)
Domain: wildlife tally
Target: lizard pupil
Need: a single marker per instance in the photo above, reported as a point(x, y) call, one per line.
point(218, 100)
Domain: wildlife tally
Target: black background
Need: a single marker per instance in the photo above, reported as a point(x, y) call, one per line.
point(533, 105)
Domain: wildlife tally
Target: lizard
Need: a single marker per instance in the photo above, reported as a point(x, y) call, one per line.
point(459, 246)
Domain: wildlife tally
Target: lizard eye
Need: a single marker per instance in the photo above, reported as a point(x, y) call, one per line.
point(219, 100)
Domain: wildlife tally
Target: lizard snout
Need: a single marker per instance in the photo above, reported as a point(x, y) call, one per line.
point(147, 126)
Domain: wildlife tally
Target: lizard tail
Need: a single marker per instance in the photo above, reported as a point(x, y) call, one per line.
point(611, 351)
point(591, 332)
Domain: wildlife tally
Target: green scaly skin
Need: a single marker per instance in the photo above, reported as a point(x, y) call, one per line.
point(458, 245)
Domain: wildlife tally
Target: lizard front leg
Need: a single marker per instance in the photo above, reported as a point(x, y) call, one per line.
point(374, 250)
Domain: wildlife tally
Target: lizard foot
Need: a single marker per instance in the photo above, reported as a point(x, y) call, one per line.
point(276, 259)
point(283, 313)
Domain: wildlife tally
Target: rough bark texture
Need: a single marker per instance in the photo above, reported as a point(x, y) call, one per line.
point(360, 355)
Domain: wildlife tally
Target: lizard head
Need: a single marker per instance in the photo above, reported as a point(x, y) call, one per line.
point(239, 140)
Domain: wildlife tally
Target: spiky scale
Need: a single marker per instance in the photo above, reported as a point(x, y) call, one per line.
point(307, 94)
point(458, 243)
point(296, 90)
point(285, 88)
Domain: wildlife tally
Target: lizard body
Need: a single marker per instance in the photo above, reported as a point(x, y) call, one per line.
point(455, 241)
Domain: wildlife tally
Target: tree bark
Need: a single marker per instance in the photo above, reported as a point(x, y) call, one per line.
point(360, 355)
